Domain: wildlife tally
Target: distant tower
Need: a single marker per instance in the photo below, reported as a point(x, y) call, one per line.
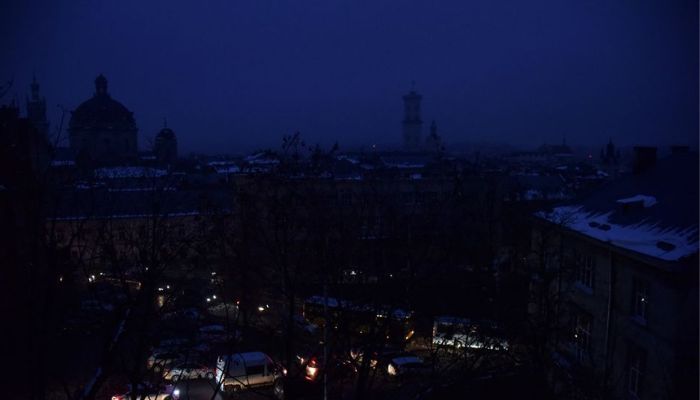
point(412, 123)
point(433, 142)
point(608, 155)
point(165, 146)
point(36, 110)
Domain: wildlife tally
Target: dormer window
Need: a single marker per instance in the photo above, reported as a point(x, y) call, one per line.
point(637, 202)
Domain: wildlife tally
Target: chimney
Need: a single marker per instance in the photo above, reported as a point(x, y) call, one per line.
point(679, 149)
point(644, 158)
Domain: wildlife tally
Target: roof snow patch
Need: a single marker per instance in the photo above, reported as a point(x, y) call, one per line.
point(647, 201)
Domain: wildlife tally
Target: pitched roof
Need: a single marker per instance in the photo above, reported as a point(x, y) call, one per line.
point(654, 213)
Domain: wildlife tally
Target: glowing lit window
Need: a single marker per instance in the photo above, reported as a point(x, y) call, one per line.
point(640, 300)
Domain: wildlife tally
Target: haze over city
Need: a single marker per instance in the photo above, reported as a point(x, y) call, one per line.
point(232, 77)
point(349, 199)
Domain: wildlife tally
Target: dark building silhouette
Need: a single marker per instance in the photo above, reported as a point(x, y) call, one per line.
point(433, 142)
point(165, 146)
point(36, 110)
point(25, 276)
point(412, 123)
point(102, 129)
point(609, 155)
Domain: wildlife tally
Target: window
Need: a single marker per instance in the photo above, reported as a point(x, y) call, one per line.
point(585, 270)
point(582, 336)
point(255, 369)
point(636, 363)
point(640, 300)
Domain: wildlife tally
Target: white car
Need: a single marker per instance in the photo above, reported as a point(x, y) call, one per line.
point(188, 371)
point(241, 370)
point(404, 364)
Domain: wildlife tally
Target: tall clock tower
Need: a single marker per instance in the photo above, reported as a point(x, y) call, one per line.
point(412, 123)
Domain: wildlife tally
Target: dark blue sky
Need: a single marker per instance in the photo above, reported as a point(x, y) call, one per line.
point(231, 75)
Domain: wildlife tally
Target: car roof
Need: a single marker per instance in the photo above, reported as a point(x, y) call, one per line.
point(250, 357)
point(406, 359)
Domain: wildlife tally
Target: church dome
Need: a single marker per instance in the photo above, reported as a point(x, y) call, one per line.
point(101, 112)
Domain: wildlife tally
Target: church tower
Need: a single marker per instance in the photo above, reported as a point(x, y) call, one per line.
point(412, 123)
point(36, 110)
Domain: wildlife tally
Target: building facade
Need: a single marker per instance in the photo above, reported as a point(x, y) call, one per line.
point(621, 265)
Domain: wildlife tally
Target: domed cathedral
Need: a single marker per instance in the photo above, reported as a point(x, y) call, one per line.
point(102, 129)
point(165, 146)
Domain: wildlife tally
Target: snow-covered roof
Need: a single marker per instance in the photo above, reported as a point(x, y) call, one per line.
point(228, 169)
point(644, 237)
point(129, 172)
point(654, 213)
point(647, 201)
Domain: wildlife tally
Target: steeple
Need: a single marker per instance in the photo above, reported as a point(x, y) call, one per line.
point(433, 142)
point(36, 109)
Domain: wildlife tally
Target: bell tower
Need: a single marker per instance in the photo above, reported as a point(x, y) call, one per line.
point(36, 109)
point(412, 123)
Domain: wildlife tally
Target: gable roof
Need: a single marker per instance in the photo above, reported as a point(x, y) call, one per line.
point(654, 213)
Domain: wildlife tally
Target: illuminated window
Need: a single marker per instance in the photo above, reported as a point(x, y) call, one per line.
point(640, 300)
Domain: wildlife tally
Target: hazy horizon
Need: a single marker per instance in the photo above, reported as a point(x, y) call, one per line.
point(234, 77)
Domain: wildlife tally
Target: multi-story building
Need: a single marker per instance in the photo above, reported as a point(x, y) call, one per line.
point(617, 274)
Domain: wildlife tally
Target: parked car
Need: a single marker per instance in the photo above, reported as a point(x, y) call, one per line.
point(404, 364)
point(187, 371)
point(149, 392)
point(237, 371)
point(159, 360)
point(378, 358)
point(337, 368)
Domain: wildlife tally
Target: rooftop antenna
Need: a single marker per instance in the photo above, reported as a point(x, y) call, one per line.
point(413, 85)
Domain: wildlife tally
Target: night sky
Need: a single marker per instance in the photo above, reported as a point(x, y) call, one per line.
point(235, 75)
